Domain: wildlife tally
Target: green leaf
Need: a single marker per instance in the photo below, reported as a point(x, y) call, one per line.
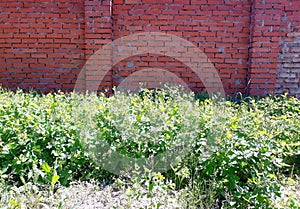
point(22, 179)
point(139, 117)
point(151, 187)
point(46, 167)
point(54, 179)
point(14, 203)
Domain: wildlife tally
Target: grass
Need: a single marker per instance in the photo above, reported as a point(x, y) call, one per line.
point(206, 152)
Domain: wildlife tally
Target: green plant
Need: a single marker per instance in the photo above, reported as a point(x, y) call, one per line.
point(39, 130)
point(234, 155)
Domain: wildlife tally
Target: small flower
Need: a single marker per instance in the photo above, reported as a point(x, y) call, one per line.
point(159, 176)
point(272, 176)
point(244, 164)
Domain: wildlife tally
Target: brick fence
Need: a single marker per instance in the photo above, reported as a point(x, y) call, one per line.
point(253, 44)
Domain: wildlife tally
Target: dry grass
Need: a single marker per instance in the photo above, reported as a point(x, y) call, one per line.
point(83, 195)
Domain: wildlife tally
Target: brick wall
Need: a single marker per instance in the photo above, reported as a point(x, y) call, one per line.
point(265, 27)
point(253, 44)
point(41, 43)
point(220, 29)
point(288, 72)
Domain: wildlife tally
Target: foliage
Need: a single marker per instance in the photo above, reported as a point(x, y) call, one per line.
point(238, 152)
point(39, 140)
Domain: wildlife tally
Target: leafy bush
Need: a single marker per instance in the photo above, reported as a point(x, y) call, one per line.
point(254, 146)
point(39, 139)
point(239, 152)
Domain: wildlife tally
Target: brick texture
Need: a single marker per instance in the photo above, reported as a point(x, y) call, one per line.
point(42, 44)
point(98, 32)
point(220, 30)
point(265, 27)
point(253, 45)
point(288, 80)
